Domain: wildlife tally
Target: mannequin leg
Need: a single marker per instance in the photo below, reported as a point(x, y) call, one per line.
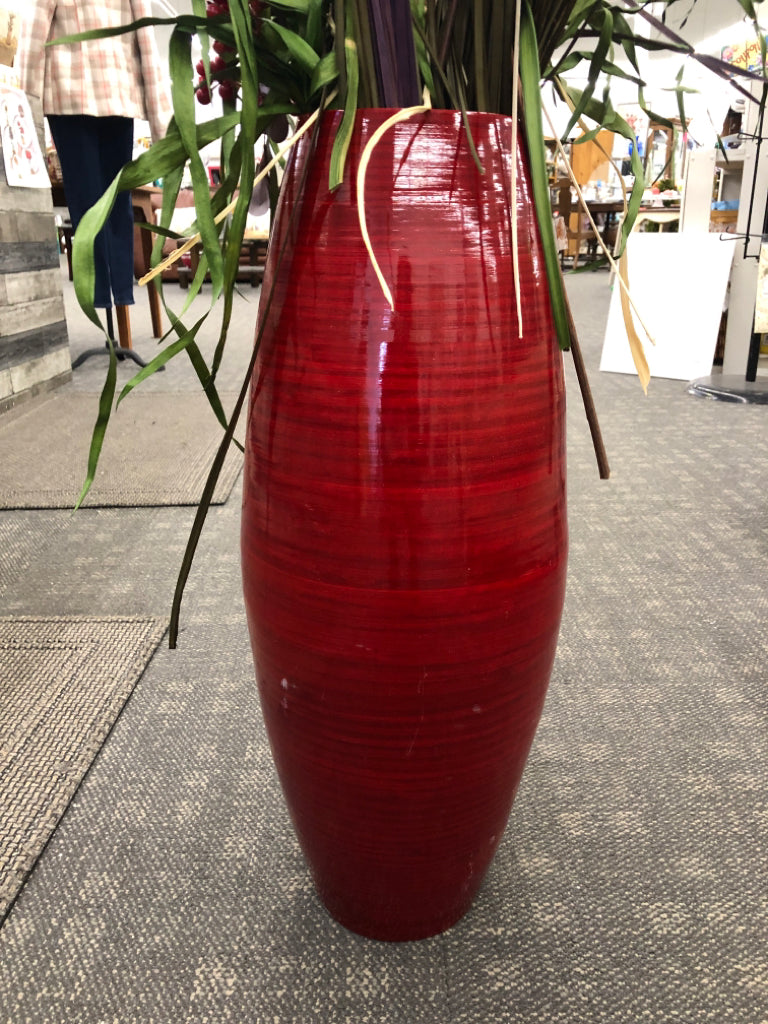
point(91, 151)
point(115, 147)
point(76, 142)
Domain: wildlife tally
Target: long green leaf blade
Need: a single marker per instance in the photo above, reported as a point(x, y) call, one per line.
point(534, 131)
point(179, 55)
point(100, 429)
point(344, 133)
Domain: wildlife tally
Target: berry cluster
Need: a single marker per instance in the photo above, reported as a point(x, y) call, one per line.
point(224, 66)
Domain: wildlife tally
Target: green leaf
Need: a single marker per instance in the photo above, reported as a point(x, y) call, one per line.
point(580, 13)
point(250, 125)
point(83, 265)
point(218, 462)
point(100, 429)
point(188, 23)
point(571, 61)
point(325, 74)
point(650, 114)
point(162, 160)
point(680, 98)
point(298, 48)
point(240, 18)
point(344, 133)
point(609, 68)
point(198, 9)
point(749, 9)
point(315, 25)
point(595, 67)
point(160, 360)
point(628, 41)
point(301, 6)
point(422, 57)
point(171, 188)
point(605, 116)
point(179, 58)
point(530, 75)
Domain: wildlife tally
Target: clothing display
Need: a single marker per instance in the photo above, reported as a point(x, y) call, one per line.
point(91, 152)
point(92, 92)
point(121, 75)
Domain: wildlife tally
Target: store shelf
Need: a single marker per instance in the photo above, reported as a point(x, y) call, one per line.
point(735, 161)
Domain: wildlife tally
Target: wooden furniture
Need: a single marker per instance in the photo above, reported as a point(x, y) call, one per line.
point(612, 210)
point(577, 228)
point(662, 154)
point(660, 215)
point(723, 221)
point(144, 210)
point(253, 256)
point(657, 215)
point(590, 160)
point(34, 343)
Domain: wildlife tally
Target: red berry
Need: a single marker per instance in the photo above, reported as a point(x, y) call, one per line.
point(203, 94)
point(222, 48)
point(200, 69)
point(218, 64)
point(228, 90)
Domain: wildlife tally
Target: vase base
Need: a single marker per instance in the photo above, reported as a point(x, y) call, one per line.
point(397, 928)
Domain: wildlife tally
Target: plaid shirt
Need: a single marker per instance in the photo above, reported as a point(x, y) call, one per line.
point(120, 76)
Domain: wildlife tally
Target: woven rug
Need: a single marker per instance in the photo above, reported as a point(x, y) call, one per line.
point(158, 451)
point(64, 682)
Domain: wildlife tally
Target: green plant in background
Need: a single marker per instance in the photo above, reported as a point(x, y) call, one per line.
point(292, 58)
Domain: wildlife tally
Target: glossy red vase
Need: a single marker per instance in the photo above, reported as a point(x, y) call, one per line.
point(404, 531)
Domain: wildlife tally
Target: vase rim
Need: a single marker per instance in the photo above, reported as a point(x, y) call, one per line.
point(437, 113)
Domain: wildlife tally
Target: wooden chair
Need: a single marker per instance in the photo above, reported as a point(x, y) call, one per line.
point(578, 229)
point(142, 255)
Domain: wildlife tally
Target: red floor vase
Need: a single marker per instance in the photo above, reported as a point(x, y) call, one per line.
point(404, 534)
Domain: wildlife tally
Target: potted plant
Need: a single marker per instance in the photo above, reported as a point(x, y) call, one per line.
point(404, 527)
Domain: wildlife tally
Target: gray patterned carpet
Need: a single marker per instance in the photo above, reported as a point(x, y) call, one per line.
point(64, 682)
point(158, 451)
point(631, 883)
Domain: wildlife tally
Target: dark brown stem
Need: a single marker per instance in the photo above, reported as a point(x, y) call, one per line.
point(586, 395)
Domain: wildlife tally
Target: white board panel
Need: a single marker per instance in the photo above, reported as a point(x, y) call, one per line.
point(678, 283)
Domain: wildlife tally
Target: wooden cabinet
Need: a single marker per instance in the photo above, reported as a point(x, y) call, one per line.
point(590, 160)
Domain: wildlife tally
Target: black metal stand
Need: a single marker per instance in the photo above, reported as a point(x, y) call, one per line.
point(729, 388)
point(120, 352)
point(732, 388)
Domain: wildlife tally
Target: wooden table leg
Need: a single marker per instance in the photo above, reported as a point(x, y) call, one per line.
point(142, 210)
point(124, 326)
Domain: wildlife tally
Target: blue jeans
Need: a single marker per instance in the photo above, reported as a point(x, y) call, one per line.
point(91, 151)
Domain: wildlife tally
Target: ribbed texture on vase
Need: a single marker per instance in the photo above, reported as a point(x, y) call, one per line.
point(404, 530)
